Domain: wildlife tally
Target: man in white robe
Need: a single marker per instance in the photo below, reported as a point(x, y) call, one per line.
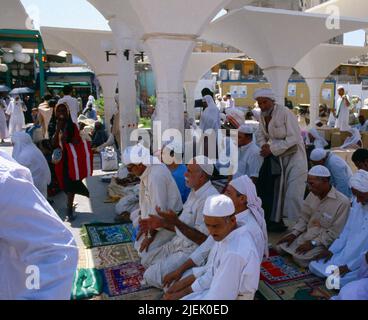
point(342, 112)
point(210, 118)
point(189, 228)
point(72, 103)
point(279, 136)
point(38, 254)
point(157, 189)
point(3, 124)
point(249, 215)
point(15, 111)
point(345, 254)
point(236, 264)
point(28, 155)
point(356, 290)
point(250, 159)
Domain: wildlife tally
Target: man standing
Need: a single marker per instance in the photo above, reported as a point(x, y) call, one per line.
point(38, 255)
point(321, 221)
point(279, 138)
point(236, 264)
point(72, 103)
point(344, 257)
point(342, 112)
point(210, 118)
point(189, 227)
point(339, 169)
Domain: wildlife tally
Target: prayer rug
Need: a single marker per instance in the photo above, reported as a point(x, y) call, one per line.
point(104, 234)
point(112, 256)
point(87, 284)
point(151, 294)
point(123, 279)
point(276, 269)
point(310, 288)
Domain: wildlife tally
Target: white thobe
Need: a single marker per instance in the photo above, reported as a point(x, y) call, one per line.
point(29, 156)
point(35, 246)
point(349, 248)
point(73, 106)
point(250, 161)
point(342, 121)
point(3, 125)
point(17, 121)
point(283, 136)
point(356, 290)
point(46, 113)
point(157, 189)
point(203, 255)
point(173, 254)
point(210, 119)
point(235, 271)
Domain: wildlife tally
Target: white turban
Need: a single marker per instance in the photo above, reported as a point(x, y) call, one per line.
point(136, 154)
point(235, 114)
point(264, 93)
point(320, 171)
point(219, 206)
point(245, 186)
point(340, 88)
point(205, 164)
point(359, 181)
point(247, 129)
point(318, 154)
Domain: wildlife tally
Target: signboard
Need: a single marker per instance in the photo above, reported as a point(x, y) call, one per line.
point(326, 94)
point(239, 91)
point(292, 90)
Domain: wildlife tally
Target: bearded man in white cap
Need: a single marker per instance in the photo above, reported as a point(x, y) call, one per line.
point(339, 169)
point(157, 189)
point(279, 137)
point(343, 259)
point(236, 264)
point(342, 110)
point(323, 216)
point(189, 229)
point(249, 215)
point(250, 159)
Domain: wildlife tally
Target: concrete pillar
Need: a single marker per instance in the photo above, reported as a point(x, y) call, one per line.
point(169, 57)
point(125, 40)
point(314, 85)
point(108, 83)
point(279, 78)
point(190, 87)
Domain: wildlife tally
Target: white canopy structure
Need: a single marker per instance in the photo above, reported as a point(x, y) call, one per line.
point(199, 64)
point(87, 45)
point(318, 64)
point(277, 39)
point(14, 16)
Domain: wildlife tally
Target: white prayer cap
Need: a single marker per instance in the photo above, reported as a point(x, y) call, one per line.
point(136, 154)
point(318, 154)
point(359, 181)
point(205, 164)
point(320, 171)
point(340, 87)
point(247, 129)
point(219, 206)
point(264, 93)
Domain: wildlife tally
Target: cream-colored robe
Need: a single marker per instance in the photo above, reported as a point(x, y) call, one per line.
point(285, 140)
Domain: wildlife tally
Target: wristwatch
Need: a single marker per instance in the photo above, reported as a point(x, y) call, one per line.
point(314, 243)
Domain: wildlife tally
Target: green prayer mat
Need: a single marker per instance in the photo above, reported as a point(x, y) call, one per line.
point(87, 283)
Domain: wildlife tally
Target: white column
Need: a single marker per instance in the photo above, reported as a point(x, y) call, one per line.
point(124, 40)
point(314, 85)
point(190, 87)
point(279, 78)
point(169, 58)
point(108, 83)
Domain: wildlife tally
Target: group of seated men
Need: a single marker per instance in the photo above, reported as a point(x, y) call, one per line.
point(211, 246)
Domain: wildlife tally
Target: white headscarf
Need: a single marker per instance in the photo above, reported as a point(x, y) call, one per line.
point(28, 155)
point(359, 181)
point(353, 140)
point(319, 141)
point(210, 118)
point(245, 186)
